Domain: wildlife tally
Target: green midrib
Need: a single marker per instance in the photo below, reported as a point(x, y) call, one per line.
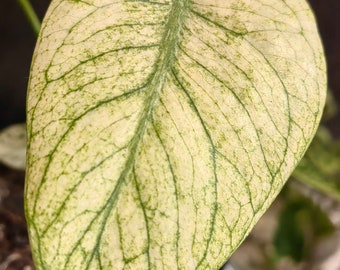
point(168, 48)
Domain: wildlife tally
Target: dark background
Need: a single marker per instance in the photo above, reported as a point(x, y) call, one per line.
point(17, 41)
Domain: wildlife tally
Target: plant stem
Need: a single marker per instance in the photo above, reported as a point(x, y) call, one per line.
point(31, 15)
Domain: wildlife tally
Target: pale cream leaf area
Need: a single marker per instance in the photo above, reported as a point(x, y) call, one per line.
point(160, 131)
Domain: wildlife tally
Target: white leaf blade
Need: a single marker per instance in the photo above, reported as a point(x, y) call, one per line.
point(161, 146)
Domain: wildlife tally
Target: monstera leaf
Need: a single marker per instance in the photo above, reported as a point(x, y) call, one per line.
point(160, 131)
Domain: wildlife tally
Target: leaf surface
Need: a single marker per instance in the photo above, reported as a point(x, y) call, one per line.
point(160, 131)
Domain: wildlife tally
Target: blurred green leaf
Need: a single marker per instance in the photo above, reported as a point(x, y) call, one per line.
point(301, 223)
point(320, 167)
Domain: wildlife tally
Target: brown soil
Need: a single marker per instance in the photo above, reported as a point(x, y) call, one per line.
point(14, 247)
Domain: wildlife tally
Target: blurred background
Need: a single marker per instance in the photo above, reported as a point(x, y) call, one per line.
point(300, 231)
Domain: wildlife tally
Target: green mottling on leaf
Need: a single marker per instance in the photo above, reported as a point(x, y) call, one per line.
point(160, 131)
